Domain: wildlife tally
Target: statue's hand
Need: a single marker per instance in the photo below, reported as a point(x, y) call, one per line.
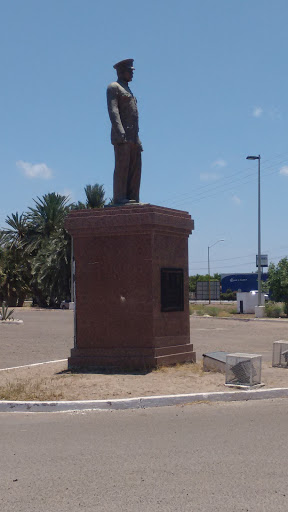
point(123, 141)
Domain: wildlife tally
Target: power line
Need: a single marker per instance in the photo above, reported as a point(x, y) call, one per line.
point(226, 266)
point(227, 259)
point(226, 177)
point(211, 187)
point(238, 265)
point(218, 192)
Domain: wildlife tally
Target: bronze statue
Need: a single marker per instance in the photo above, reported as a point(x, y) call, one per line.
point(123, 112)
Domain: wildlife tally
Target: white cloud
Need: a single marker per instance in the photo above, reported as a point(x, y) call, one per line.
point(35, 170)
point(219, 163)
point(236, 199)
point(257, 112)
point(209, 176)
point(284, 170)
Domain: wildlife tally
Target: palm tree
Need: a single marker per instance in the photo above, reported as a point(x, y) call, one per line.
point(16, 236)
point(95, 198)
point(49, 214)
point(51, 270)
point(50, 248)
point(35, 250)
point(14, 261)
point(35, 255)
point(78, 206)
point(14, 276)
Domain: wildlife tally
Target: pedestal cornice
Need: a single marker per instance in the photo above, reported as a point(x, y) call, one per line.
point(128, 219)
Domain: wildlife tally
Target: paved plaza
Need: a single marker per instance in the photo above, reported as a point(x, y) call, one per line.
point(47, 335)
point(203, 457)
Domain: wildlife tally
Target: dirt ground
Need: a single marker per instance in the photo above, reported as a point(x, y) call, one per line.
point(48, 335)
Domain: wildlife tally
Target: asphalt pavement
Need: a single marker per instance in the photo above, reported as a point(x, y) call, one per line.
point(202, 457)
point(232, 335)
point(45, 335)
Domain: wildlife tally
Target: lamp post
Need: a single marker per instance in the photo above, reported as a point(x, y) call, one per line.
point(209, 247)
point(72, 271)
point(259, 228)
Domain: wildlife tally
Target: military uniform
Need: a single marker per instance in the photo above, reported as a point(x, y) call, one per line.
point(123, 113)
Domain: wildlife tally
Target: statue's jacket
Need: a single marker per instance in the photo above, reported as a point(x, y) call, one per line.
point(123, 113)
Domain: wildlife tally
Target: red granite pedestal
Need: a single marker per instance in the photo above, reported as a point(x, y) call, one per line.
point(131, 273)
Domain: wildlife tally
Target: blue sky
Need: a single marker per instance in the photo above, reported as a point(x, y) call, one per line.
point(211, 84)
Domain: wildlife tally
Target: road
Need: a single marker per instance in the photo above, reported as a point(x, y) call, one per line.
point(203, 458)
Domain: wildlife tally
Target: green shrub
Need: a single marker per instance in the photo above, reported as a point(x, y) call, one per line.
point(273, 310)
point(228, 295)
point(212, 311)
point(5, 314)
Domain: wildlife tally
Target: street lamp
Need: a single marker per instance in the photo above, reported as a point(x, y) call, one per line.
point(259, 228)
point(209, 247)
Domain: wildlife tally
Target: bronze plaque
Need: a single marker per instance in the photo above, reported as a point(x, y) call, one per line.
point(172, 289)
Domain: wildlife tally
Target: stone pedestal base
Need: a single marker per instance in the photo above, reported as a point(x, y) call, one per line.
point(132, 304)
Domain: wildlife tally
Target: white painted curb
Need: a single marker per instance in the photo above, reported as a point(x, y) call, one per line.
point(32, 364)
point(141, 402)
point(11, 322)
point(254, 319)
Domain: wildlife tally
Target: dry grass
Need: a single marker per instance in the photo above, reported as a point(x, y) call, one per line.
point(186, 368)
point(223, 313)
point(30, 390)
point(53, 382)
point(221, 310)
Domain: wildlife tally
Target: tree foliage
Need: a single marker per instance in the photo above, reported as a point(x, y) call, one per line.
point(14, 263)
point(278, 282)
point(35, 250)
point(199, 277)
point(95, 198)
point(16, 234)
point(14, 276)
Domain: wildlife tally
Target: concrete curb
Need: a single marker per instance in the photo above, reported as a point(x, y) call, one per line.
point(142, 402)
point(11, 322)
point(274, 320)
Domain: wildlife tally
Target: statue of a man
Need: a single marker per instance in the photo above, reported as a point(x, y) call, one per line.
point(123, 112)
